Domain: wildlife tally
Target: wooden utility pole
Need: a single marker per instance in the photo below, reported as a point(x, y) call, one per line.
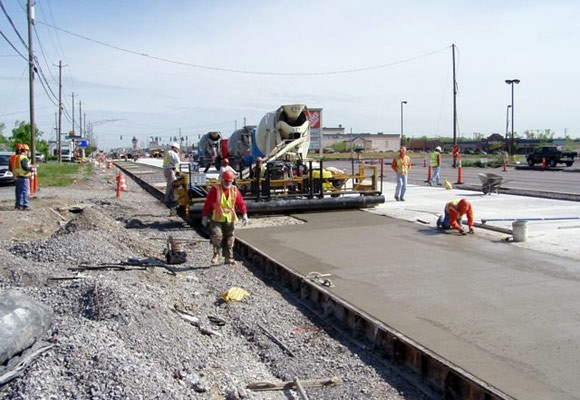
point(31, 81)
point(59, 111)
point(73, 115)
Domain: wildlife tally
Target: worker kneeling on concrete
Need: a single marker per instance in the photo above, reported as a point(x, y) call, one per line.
point(221, 201)
point(454, 210)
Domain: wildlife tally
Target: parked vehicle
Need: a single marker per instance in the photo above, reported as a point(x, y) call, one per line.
point(6, 177)
point(553, 155)
point(40, 157)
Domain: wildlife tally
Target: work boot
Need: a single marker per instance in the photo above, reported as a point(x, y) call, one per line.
point(230, 261)
point(397, 198)
point(216, 257)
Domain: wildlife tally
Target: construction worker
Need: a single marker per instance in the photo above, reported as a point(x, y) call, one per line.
point(222, 201)
point(260, 168)
point(170, 164)
point(454, 210)
point(226, 167)
point(12, 166)
point(436, 166)
point(401, 165)
point(23, 171)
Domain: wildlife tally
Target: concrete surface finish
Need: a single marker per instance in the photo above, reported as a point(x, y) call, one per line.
point(502, 311)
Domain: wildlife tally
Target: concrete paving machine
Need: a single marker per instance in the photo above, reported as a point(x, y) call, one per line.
point(287, 181)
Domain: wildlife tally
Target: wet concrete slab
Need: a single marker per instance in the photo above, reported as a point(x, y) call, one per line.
point(507, 315)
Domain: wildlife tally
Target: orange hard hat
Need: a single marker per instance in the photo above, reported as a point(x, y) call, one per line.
point(18, 146)
point(228, 176)
point(462, 206)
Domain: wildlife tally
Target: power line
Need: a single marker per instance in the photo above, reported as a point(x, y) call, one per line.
point(11, 45)
point(13, 26)
point(337, 72)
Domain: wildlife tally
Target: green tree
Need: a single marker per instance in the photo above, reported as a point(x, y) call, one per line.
point(21, 134)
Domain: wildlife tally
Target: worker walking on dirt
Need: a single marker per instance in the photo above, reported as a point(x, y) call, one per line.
point(401, 165)
point(12, 165)
point(436, 166)
point(23, 171)
point(221, 202)
point(454, 210)
point(170, 163)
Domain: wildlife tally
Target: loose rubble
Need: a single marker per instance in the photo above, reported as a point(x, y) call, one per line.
point(119, 333)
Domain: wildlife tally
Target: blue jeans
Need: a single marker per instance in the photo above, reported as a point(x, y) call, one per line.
point(22, 192)
point(436, 177)
point(444, 222)
point(401, 186)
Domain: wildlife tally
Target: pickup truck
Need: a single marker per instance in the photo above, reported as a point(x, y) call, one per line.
point(553, 155)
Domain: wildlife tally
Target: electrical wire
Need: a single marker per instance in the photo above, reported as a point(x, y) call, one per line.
point(13, 26)
point(14, 47)
point(337, 72)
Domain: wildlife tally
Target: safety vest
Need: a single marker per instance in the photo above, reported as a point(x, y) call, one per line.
point(403, 165)
point(224, 207)
point(12, 162)
point(435, 159)
point(453, 203)
point(18, 170)
point(166, 161)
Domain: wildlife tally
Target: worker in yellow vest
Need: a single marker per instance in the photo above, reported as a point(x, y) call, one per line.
point(170, 164)
point(23, 171)
point(12, 165)
point(221, 202)
point(436, 166)
point(401, 165)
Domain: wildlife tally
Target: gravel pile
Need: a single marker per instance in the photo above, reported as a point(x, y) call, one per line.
point(125, 333)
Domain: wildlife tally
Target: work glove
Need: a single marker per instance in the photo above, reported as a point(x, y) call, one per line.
point(204, 221)
point(462, 232)
point(245, 220)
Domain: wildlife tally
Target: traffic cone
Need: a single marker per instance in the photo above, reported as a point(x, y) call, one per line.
point(459, 173)
point(544, 164)
point(429, 174)
point(424, 161)
point(121, 184)
point(504, 166)
point(32, 185)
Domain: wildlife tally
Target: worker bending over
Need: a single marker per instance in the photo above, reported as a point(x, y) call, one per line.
point(221, 201)
point(454, 211)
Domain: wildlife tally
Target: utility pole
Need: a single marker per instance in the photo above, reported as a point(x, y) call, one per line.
point(73, 115)
point(31, 82)
point(454, 104)
point(60, 107)
point(80, 119)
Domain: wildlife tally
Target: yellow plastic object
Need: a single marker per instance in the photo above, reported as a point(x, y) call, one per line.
point(234, 294)
point(448, 185)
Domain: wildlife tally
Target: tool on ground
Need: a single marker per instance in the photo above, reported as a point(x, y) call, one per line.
point(323, 382)
point(173, 253)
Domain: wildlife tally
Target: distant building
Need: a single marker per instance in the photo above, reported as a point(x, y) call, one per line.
point(379, 142)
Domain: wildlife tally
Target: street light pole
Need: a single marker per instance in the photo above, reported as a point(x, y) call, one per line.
point(507, 125)
point(511, 82)
point(402, 132)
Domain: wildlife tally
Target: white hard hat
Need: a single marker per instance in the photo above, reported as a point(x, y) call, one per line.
point(175, 145)
point(438, 148)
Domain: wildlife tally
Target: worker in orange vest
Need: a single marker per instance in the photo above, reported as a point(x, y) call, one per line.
point(222, 201)
point(401, 165)
point(454, 210)
point(12, 164)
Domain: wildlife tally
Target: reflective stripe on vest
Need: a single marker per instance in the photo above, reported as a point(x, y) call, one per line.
point(19, 171)
point(223, 210)
point(435, 159)
point(403, 165)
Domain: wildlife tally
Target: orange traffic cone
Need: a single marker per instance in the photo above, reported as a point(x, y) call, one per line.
point(544, 164)
point(504, 165)
point(121, 184)
point(429, 174)
point(424, 161)
point(459, 173)
point(32, 185)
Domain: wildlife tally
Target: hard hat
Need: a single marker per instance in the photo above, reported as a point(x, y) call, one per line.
point(462, 206)
point(438, 148)
point(175, 145)
point(18, 146)
point(25, 147)
point(259, 160)
point(226, 161)
point(228, 176)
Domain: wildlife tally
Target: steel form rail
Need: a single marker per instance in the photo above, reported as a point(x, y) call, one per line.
point(416, 362)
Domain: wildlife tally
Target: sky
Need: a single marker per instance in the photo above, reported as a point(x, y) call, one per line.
point(157, 68)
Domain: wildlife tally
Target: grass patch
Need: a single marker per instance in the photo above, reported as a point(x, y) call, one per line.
point(60, 174)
